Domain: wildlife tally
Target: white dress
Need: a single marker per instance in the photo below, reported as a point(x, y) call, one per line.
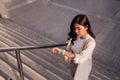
point(83, 50)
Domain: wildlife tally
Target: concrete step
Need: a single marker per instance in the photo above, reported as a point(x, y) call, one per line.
point(3, 75)
point(103, 72)
point(1, 78)
point(8, 71)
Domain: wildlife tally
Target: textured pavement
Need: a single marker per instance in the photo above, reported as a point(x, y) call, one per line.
point(52, 18)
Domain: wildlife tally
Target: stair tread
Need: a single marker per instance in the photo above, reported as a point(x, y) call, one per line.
point(2, 73)
point(1, 78)
point(9, 71)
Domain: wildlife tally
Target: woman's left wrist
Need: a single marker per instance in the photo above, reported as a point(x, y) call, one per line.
point(63, 52)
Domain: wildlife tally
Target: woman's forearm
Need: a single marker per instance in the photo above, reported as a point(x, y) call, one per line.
point(69, 54)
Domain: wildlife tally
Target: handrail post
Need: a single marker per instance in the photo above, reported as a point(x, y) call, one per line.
point(19, 61)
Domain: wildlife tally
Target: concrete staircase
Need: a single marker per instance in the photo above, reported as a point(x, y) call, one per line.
point(38, 64)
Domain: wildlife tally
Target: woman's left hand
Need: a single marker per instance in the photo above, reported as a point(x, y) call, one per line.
point(56, 50)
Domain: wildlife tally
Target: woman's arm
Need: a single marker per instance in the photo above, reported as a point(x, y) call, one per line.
point(66, 53)
point(86, 53)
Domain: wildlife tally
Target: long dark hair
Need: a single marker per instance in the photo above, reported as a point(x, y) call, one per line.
point(82, 20)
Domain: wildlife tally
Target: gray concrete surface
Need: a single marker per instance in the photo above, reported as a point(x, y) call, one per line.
point(52, 18)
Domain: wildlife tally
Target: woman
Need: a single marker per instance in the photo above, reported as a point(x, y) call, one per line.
point(80, 29)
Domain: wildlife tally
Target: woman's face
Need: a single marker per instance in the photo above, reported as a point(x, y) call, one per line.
point(80, 30)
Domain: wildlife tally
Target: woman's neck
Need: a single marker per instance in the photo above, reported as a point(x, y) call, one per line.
point(83, 37)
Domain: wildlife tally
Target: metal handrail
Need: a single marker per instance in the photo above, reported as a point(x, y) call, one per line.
point(18, 49)
point(4, 49)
